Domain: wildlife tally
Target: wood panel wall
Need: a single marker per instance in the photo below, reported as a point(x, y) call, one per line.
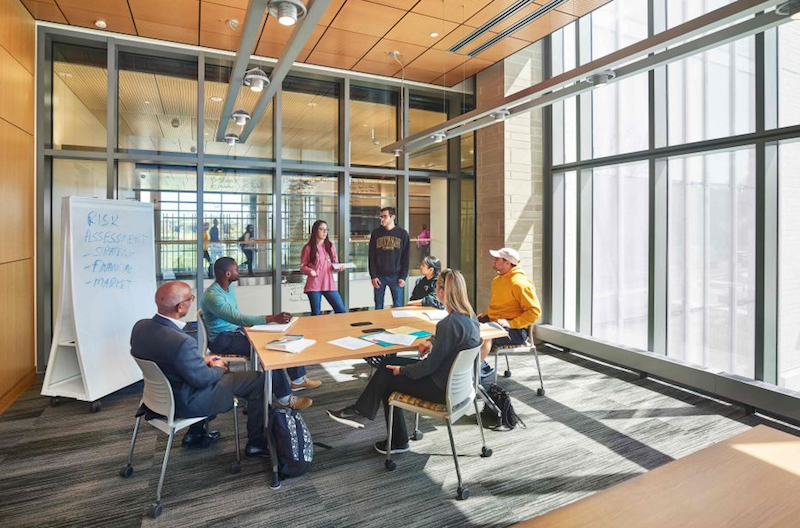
point(17, 222)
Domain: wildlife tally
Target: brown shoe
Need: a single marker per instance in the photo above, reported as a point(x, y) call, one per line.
point(298, 403)
point(307, 383)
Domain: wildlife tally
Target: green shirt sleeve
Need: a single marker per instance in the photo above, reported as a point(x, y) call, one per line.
point(221, 307)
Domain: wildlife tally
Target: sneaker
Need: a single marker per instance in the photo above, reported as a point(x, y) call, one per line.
point(298, 403)
point(307, 383)
point(380, 447)
point(348, 416)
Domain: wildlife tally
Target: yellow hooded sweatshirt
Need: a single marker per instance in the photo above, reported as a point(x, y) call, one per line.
point(514, 299)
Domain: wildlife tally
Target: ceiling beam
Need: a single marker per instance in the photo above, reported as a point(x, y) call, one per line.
point(303, 30)
point(250, 34)
point(531, 97)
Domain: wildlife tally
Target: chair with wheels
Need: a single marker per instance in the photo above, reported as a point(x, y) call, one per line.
point(527, 346)
point(462, 385)
point(230, 358)
point(158, 399)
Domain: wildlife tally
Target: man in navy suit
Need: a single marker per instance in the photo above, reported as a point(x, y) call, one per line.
point(201, 386)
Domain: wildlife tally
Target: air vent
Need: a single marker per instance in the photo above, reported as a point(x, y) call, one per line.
point(486, 26)
point(539, 13)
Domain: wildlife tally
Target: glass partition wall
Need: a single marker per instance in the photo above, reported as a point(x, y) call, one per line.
point(161, 148)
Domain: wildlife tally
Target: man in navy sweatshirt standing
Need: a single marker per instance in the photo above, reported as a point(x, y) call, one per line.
point(388, 258)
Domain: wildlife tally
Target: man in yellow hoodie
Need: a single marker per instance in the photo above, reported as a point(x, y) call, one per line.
point(514, 304)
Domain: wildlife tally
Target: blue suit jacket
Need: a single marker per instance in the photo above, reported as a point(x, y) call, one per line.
point(177, 354)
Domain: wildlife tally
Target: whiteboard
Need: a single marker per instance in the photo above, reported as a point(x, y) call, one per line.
point(109, 284)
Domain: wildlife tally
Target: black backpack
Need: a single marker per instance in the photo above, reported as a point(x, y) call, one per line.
point(292, 441)
point(508, 419)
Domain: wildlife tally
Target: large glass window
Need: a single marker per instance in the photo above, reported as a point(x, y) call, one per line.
point(789, 74)
point(620, 254)
point(571, 250)
point(373, 125)
point(310, 121)
point(425, 112)
point(80, 82)
point(711, 269)
point(367, 197)
point(157, 104)
point(788, 268)
point(427, 227)
point(306, 199)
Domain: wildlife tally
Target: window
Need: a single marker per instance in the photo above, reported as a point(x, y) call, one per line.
point(788, 269)
point(789, 74)
point(571, 250)
point(711, 263)
point(310, 121)
point(373, 118)
point(427, 227)
point(80, 81)
point(620, 254)
point(425, 112)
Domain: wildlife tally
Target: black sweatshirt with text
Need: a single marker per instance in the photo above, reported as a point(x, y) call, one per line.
point(388, 253)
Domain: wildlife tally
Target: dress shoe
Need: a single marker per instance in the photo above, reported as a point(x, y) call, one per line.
point(256, 449)
point(307, 383)
point(201, 440)
point(298, 403)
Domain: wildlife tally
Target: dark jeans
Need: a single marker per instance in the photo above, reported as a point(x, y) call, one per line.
point(383, 383)
point(247, 385)
point(516, 336)
point(248, 256)
point(397, 292)
point(237, 344)
point(333, 297)
point(207, 256)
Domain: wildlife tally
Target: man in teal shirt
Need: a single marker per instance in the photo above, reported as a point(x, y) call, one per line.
point(224, 323)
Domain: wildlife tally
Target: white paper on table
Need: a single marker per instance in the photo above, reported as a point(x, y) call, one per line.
point(395, 339)
point(274, 327)
point(436, 315)
point(350, 343)
point(404, 313)
point(343, 265)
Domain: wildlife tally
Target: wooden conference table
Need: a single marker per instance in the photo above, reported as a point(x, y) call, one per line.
point(325, 328)
point(748, 481)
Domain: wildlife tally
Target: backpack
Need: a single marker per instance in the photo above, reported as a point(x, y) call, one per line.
point(508, 419)
point(292, 441)
point(241, 239)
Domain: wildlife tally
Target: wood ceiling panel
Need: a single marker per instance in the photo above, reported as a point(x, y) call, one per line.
point(333, 9)
point(214, 19)
point(181, 13)
point(48, 11)
point(502, 49)
point(542, 27)
point(119, 23)
point(218, 41)
point(416, 29)
point(135, 88)
point(333, 60)
point(359, 16)
point(377, 67)
point(439, 61)
point(400, 4)
point(458, 11)
point(416, 74)
point(466, 70)
point(408, 52)
point(110, 7)
point(345, 43)
point(167, 32)
point(459, 33)
point(275, 36)
point(579, 8)
point(89, 84)
point(238, 4)
point(178, 96)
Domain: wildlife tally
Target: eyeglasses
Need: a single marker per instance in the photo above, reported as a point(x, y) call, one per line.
point(190, 299)
point(322, 229)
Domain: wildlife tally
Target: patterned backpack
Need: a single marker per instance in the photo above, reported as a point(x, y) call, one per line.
point(292, 441)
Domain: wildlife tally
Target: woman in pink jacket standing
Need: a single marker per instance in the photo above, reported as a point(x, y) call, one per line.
point(317, 261)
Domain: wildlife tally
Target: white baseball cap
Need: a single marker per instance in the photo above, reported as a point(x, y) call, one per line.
point(509, 254)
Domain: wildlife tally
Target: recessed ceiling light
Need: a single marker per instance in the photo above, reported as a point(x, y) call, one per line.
point(434, 34)
point(312, 104)
point(205, 133)
point(101, 23)
point(147, 102)
point(216, 99)
point(233, 24)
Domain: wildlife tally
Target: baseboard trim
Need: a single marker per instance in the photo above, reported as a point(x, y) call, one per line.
point(7, 399)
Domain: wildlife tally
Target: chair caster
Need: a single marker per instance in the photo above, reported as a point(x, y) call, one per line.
point(94, 406)
point(486, 452)
point(507, 374)
point(55, 401)
point(126, 472)
point(540, 392)
point(417, 435)
point(276, 482)
point(155, 510)
point(463, 493)
point(390, 465)
point(235, 467)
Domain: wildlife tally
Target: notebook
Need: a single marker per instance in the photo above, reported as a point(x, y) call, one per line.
point(290, 343)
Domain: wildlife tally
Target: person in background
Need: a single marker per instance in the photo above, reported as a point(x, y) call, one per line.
point(388, 258)
point(224, 323)
point(513, 304)
point(216, 247)
point(426, 378)
point(424, 293)
point(424, 242)
point(316, 261)
point(248, 248)
point(201, 386)
point(206, 255)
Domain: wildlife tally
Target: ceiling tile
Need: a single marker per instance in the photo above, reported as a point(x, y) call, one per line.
point(214, 18)
point(459, 33)
point(273, 43)
point(380, 53)
point(417, 29)
point(217, 41)
point(466, 70)
point(118, 23)
point(181, 13)
point(345, 43)
point(377, 67)
point(400, 4)
point(438, 61)
point(494, 8)
point(167, 32)
point(453, 10)
point(238, 4)
point(334, 60)
point(110, 7)
point(364, 17)
point(542, 27)
point(333, 8)
point(502, 49)
point(416, 74)
point(48, 11)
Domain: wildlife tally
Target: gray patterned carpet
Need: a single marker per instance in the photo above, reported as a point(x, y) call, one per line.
point(597, 426)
